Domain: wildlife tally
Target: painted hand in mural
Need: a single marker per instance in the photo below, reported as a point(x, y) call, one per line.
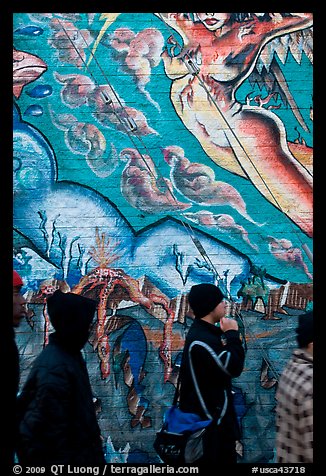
point(247, 140)
point(105, 279)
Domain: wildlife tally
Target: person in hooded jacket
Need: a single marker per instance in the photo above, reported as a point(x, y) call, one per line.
point(217, 355)
point(57, 419)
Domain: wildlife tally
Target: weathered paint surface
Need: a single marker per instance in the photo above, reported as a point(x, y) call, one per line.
point(153, 152)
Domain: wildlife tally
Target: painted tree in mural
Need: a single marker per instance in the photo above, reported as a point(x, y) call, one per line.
point(105, 279)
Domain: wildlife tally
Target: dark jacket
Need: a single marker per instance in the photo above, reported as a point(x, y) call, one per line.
point(221, 358)
point(9, 359)
point(58, 422)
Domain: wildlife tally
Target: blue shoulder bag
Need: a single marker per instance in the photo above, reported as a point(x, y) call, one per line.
point(180, 439)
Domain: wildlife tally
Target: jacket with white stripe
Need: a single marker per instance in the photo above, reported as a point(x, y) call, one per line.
point(217, 357)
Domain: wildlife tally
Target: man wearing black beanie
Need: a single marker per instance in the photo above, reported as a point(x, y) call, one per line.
point(294, 409)
point(217, 356)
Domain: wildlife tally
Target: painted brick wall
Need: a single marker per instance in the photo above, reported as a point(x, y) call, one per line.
point(153, 152)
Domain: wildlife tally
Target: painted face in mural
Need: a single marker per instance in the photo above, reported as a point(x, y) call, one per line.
point(213, 21)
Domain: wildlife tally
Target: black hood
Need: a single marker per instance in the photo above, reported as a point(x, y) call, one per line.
point(71, 316)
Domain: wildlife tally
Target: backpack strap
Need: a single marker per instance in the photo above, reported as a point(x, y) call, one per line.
point(177, 391)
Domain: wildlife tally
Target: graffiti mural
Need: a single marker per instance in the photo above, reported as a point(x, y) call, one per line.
point(154, 151)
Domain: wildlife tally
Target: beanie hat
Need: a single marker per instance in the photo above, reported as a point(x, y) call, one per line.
point(305, 329)
point(71, 316)
point(203, 298)
point(63, 307)
point(17, 280)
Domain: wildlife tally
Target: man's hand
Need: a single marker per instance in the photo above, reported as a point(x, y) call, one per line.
point(227, 324)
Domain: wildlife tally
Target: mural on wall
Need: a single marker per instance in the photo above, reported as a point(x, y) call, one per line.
point(247, 140)
point(154, 151)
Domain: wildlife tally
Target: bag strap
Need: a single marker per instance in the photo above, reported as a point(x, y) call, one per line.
point(201, 400)
point(177, 391)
